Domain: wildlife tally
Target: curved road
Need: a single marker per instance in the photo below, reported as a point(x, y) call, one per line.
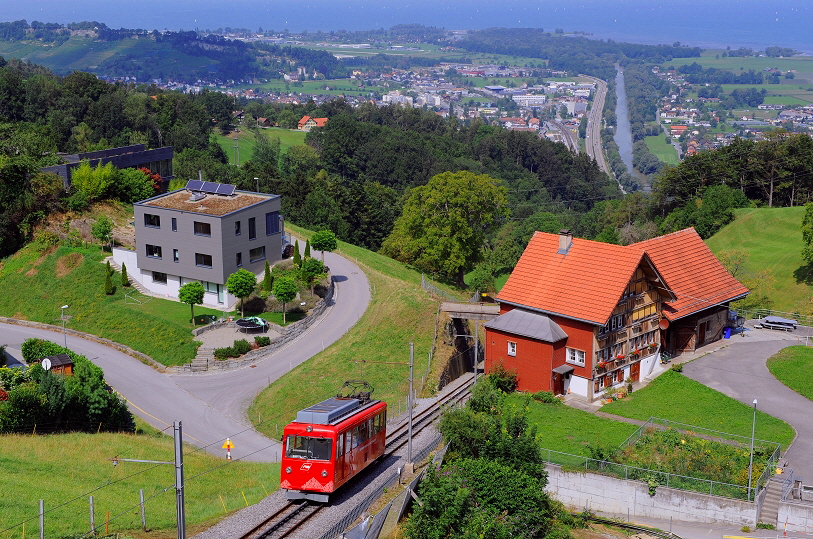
point(593, 142)
point(212, 406)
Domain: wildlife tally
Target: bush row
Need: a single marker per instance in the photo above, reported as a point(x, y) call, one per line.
point(240, 347)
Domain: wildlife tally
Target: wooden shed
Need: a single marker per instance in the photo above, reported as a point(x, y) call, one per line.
point(60, 364)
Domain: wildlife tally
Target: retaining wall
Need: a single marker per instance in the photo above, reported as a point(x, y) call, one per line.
point(618, 496)
point(795, 517)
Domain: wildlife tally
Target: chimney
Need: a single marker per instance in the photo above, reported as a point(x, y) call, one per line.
point(565, 241)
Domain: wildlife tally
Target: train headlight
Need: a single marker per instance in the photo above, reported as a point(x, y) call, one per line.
point(324, 473)
point(288, 469)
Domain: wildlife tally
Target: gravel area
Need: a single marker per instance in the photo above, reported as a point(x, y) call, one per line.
point(225, 336)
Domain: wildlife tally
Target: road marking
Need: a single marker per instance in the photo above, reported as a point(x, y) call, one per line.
point(186, 435)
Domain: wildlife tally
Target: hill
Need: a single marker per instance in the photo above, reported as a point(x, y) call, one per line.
point(771, 239)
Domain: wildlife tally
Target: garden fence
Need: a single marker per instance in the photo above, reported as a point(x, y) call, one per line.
point(432, 289)
point(693, 430)
point(680, 482)
point(755, 314)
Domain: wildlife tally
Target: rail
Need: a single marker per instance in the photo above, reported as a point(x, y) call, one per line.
point(627, 526)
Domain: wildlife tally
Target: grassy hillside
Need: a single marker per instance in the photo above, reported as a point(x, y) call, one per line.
point(376, 349)
point(772, 239)
point(38, 280)
point(82, 463)
point(246, 140)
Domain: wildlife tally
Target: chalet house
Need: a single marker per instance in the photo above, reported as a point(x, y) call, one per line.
point(577, 316)
point(307, 123)
point(263, 122)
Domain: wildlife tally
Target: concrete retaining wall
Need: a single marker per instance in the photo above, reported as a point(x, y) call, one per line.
point(798, 517)
point(617, 496)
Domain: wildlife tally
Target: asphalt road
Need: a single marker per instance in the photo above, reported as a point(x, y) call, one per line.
point(212, 406)
point(740, 371)
point(593, 142)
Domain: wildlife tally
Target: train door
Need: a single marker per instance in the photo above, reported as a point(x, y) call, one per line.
point(340, 464)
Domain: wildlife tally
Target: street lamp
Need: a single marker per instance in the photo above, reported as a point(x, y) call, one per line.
point(751, 464)
point(63, 325)
point(258, 184)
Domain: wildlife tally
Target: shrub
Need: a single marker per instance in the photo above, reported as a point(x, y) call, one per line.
point(765, 526)
point(547, 397)
point(224, 353)
point(78, 202)
point(745, 529)
point(502, 378)
point(46, 238)
point(677, 367)
point(241, 346)
point(262, 341)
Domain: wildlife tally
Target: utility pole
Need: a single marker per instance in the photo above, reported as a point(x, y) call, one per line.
point(410, 465)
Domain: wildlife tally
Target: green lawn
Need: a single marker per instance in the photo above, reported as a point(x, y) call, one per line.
point(677, 398)
point(773, 240)
point(82, 464)
point(38, 282)
point(784, 100)
point(376, 349)
point(802, 64)
point(569, 430)
point(793, 366)
point(662, 150)
point(246, 140)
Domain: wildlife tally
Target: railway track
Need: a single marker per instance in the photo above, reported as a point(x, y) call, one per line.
point(290, 518)
point(397, 436)
point(284, 522)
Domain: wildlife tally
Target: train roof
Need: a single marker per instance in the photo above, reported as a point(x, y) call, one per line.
point(332, 410)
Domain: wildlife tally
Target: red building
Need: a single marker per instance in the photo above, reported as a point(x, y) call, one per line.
point(577, 316)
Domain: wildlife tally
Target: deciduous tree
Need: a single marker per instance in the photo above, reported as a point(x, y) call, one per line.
point(192, 294)
point(444, 224)
point(324, 240)
point(285, 291)
point(241, 283)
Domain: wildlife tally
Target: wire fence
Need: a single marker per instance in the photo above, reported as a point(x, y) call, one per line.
point(694, 430)
point(434, 290)
point(755, 314)
point(657, 477)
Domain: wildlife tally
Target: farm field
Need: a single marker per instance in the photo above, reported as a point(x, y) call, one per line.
point(802, 64)
point(326, 87)
point(662, 150)
point(82, 462)
point(773, 241)
point(246, 140)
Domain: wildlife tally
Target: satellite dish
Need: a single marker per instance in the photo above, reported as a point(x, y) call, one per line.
point(663, 324)
point(46, 364)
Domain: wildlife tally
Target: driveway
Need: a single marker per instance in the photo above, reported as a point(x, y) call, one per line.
point(739, 370)
point(212, 406)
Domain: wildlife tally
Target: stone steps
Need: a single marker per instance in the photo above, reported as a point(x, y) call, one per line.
point(204, 358)
point(134, 283)
point(770, 506)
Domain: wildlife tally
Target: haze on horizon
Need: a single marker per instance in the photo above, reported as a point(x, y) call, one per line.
point(714, 23)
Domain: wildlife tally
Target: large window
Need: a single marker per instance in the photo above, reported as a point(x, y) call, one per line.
point(203, 260)
point(575, 356)
point(272, 223)
point(306, 447)
point(203, 229)
point(153, 251)
point(512, 348)
point(239, 259)
point(237, 230)
point(175, 257)
point(252, 228)
point(159, 277)
point(174, 224)
point(153, 221)
point(258, 253)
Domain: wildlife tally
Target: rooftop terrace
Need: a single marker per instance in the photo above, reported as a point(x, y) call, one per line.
point(210, 205)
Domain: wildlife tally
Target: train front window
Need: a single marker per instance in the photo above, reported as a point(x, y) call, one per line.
point(307, 447)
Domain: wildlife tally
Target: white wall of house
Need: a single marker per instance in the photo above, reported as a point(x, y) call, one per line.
point(578, 386)
point(173, 284)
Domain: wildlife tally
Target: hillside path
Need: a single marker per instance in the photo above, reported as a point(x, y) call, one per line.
point(212, 406)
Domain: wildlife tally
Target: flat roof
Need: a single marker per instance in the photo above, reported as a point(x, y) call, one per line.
point(209, 205)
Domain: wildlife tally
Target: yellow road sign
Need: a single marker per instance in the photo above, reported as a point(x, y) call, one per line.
point(228, 444)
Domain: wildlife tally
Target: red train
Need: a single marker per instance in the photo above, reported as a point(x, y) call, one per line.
point(330, 442)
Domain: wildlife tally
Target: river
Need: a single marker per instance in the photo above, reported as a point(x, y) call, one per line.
point(623, 132)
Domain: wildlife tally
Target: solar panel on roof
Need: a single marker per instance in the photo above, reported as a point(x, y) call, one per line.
point(209, 187)
point(194, 185)
point(225, 189)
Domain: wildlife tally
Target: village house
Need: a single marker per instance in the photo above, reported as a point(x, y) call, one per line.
point(578, 316)
point(307, 123)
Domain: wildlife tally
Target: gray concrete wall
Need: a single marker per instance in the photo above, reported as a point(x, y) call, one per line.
point(617, 496)
point(795, 517)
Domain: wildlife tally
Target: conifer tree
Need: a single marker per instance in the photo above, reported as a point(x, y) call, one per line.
point(124, 280)
point(307, 248)
point(108, 285)
point(297, 256)
point(268, 279)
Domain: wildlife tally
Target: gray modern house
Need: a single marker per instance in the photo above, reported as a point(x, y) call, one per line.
point(200, 235)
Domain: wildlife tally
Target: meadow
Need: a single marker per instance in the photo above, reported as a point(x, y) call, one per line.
point(793, 366)
point(214, 488)
point(247, 139)
point(772, 240)
point(662, 150)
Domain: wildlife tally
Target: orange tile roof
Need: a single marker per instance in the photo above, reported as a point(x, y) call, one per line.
point(693, 272)
point(585, 284)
